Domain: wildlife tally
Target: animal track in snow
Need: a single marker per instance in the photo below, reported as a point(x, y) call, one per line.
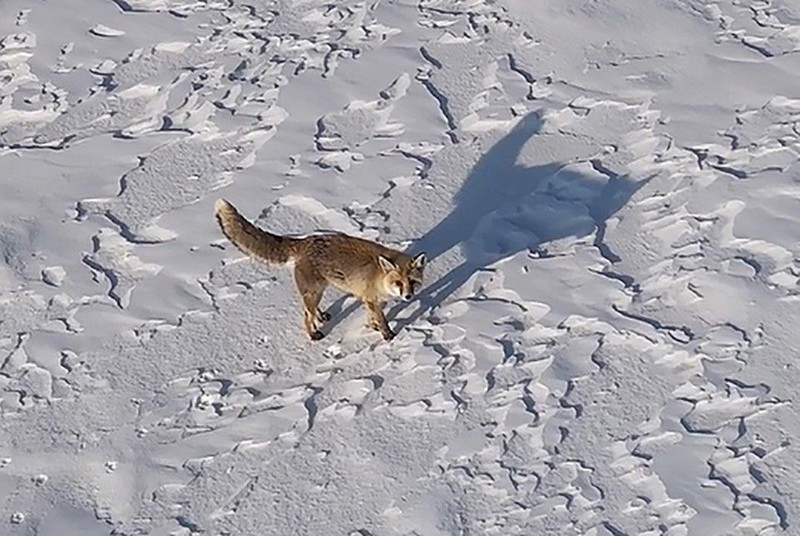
point(173, 176)
point(360, 121)
point(113, 256)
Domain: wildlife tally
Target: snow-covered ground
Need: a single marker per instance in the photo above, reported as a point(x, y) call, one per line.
point(607, 344)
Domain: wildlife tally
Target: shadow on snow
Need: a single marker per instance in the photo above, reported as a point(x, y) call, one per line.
point(504, 208)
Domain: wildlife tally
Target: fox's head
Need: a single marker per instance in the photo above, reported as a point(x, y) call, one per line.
point(402, 277)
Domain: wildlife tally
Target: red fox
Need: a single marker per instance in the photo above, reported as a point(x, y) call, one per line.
point(371, 272)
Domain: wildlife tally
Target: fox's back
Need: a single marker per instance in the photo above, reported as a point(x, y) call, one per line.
point(345, 261)
point(339, 251)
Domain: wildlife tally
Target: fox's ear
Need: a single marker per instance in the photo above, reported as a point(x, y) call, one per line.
point(387, 265)
point(419, 260)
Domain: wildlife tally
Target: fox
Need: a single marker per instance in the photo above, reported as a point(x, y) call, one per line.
point(373, 273)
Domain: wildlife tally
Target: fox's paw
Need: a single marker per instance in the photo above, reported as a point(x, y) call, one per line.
point(316, 335)
point(325, 316)
point(388, 335)
point(386, 331)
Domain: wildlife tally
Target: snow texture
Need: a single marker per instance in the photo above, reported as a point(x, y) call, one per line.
point(607, 342)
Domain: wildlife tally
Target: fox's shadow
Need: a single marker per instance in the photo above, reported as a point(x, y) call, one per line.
point(504, 207)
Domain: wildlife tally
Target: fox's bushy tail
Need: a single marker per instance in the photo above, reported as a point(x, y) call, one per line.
point(251, 240)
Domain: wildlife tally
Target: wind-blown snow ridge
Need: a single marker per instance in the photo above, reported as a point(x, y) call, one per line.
point(608, 196)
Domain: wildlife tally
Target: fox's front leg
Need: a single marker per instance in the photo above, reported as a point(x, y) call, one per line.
point(378, 320)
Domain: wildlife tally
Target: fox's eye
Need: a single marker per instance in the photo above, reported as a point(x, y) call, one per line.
point(398, 284)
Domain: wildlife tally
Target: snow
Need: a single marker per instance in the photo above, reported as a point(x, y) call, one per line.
point(609, 196)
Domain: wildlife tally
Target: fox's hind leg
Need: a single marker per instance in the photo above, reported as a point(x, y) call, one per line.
point(311, 285)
